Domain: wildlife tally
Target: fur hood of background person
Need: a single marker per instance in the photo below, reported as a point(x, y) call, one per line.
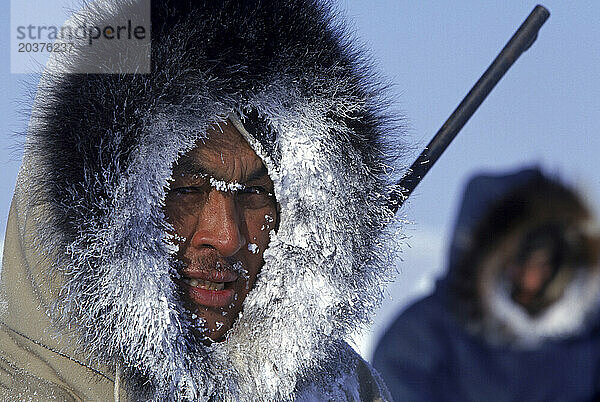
point(532, 213)
point(516, 315)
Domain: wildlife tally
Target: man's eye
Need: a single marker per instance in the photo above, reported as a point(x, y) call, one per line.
point(189, 191)
point(254, 190)
point(183, 190)
point(254, 197)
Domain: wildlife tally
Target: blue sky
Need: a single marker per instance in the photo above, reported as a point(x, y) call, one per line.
point(544, 111)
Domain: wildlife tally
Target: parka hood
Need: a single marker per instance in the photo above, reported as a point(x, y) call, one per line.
point(498, 214)
point(480, 195)
point(90, 196)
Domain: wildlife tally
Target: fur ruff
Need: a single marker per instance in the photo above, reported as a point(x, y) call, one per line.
point(480, 288)
point(100, 150)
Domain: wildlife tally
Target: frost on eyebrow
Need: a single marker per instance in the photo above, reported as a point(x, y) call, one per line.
point(222, 185)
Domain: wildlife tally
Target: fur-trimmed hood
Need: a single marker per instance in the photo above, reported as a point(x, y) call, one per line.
point(442, 347)
point(88, 210)
point(499, 213)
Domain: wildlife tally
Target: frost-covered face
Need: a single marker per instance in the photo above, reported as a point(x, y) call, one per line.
point(222, 207)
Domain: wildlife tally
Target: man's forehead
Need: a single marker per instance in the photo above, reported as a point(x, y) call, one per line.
point(224, 154)
point(228, 170)
point(224, 135)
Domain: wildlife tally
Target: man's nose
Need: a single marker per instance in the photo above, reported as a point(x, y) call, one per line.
point(218, 225)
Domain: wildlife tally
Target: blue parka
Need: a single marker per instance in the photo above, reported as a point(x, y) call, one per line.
point(428, 354)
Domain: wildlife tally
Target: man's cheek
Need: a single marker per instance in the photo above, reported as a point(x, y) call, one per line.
point(259, 227)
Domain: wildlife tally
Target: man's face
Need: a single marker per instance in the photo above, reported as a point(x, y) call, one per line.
point(222, 208)
point(531, 278)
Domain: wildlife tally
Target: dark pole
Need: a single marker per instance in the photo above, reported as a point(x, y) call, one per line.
point(520, 42)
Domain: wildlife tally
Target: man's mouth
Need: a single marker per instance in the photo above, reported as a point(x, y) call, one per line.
point(210, 288)
point(202, 284)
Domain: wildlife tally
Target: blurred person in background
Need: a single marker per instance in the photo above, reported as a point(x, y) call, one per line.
point(516, 316)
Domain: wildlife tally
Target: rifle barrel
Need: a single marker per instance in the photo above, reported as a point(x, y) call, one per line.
point(518, 43)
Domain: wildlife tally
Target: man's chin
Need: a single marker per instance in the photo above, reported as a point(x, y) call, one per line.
point(212, 325)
